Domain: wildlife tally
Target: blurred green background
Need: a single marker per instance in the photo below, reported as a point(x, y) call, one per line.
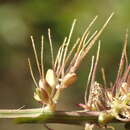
point(21, 18)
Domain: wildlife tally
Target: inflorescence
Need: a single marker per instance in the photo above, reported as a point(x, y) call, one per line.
point(112, 102)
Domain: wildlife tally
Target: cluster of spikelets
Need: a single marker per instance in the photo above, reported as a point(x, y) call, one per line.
point(64, 66)
point(113, 101)
point(110, 102)
point(118, 96)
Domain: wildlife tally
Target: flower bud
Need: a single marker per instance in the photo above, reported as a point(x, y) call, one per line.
point(51, 78)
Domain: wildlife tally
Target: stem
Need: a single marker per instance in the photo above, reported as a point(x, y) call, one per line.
point(15, 113)
point(76, 118)
point(37, 116)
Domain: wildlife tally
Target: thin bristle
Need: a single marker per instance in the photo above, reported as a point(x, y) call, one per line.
point(50, 41)
point(60, 60)
point(92, 36)
point(96, 37)
point(86, 49)
point(77, 59)
point(126, 43)
point(96, 63)
point(31, 72)
point(104, 77)
point(126, 74)
point(71, 31)
point(72, 50)
point(57, 56)
point(21, 108)
point(67, 45)
point(42, 62)
point(122, 61)
point(88, 81)
point(78, 56)
point(82, 49)
point(36, 57)
point(81, 52)
point(59, 53)
point(85, 38)
point(69, 38)
point(86, 33)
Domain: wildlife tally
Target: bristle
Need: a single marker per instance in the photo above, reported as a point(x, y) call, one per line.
point(96, 37)
point(82, 41)
point(42, 62)
point(78, 56)
point(88, 81)
point(126, 43)
point(81, 52)
point(36, 57)
point(69, 38)
point(71, 31)
point(59, 53)
point(122, 62)
point(31, 72)
point(88, 41)
point(96, 63)
point(85, 38)
point(104, 77)
point(85, 34)
point(50, 41)
point(57, 57)
point(72, 50)
point(67, 45)
point(126, 74)
point(60, 58)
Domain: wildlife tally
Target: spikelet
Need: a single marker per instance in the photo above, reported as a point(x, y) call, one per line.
point(51, 78)
point(69, 79)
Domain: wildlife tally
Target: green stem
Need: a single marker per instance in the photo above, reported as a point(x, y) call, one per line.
point(15, 113)
point(38, 116)
point(61, 117)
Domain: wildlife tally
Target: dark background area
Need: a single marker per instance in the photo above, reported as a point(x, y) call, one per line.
point(21, 18)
